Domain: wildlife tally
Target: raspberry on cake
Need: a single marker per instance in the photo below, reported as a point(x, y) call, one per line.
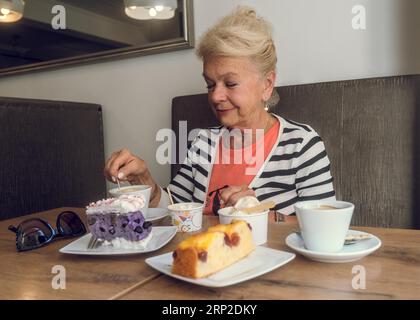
point(208, 252)
point(119, 222)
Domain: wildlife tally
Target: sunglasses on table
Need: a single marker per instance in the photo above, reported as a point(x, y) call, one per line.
point(35, 233)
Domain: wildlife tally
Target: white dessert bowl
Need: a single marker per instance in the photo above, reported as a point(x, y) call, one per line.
point(257, 221)
point(135, 190)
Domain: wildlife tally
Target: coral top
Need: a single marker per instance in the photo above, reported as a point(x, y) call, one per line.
point(238, 166)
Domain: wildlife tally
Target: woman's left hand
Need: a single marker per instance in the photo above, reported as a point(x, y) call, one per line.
point(232, 194)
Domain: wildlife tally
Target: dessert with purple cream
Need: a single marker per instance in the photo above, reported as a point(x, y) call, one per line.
point(119, 222)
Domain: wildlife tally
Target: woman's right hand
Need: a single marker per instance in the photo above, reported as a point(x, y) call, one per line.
point(126, 167)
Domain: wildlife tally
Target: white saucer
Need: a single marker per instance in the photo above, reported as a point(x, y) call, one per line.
point(154, 214)
point(349, 253)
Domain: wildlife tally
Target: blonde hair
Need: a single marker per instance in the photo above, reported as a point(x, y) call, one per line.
point(241, 34)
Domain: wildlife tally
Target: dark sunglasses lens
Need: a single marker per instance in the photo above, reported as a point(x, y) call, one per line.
point(32, 234)
point(216, 204)
point(70, 224)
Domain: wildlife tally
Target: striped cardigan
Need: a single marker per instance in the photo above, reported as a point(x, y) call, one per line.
point(296, 169)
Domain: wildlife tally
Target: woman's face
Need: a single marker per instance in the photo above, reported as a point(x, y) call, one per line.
point(237, 91)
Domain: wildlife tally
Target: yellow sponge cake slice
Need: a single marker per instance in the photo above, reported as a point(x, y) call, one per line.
point(208, 252)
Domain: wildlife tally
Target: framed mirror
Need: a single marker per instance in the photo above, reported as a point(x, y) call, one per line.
point(40, 34)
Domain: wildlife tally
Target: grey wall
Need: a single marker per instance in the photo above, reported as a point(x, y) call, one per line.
point(315, 43)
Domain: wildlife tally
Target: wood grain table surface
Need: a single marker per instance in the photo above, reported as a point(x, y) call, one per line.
point(392, 272)
point(28, 275)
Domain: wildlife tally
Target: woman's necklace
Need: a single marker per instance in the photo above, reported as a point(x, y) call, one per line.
point(269, 122)
point(267, 127)
point(254, 135)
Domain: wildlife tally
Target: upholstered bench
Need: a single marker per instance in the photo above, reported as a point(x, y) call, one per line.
point(51, 155)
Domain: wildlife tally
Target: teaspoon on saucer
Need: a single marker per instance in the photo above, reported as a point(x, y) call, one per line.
point(350, 238)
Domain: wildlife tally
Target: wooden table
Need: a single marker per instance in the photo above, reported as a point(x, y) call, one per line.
point(392, 272)
point(28, 275)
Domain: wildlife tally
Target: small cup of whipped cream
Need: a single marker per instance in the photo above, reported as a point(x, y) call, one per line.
point(258, 220)
point(135, 190)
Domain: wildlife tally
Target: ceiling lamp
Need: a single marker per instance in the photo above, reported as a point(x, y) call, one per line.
point(150, 9)
point(11, 10)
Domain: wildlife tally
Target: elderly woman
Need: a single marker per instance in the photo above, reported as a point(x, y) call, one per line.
point(286, 161)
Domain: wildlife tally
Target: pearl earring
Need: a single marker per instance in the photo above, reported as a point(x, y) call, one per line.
point(266, 107)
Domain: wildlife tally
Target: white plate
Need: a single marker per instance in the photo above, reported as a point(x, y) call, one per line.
point(154, 214)
point(259, 262)
point(349, 253)
point(160, 237)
